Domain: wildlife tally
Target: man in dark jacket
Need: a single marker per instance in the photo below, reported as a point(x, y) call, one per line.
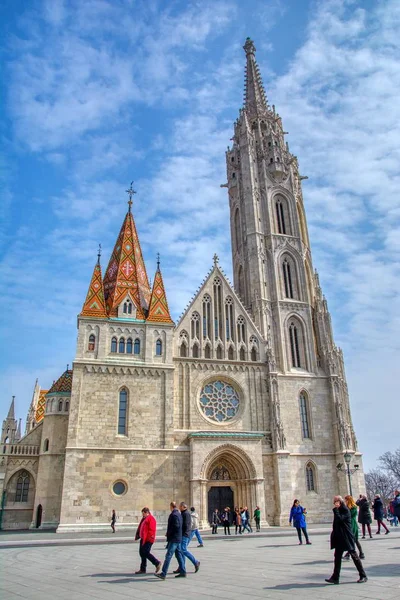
point(396, 504)
point(186, 533)
point(174, 539)
point(342, 539)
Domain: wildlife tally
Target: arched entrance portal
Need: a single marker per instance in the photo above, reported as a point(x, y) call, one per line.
point(228, 479)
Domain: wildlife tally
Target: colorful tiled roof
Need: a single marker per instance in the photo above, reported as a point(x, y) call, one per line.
point(126, 272)
point(63, 384)
point(158, 309)
point(41, 406)
point(94, 305)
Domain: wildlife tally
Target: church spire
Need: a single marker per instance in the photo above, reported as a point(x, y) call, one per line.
point(126, 271)
point(255, 100)
point(94, 305)
point(158, 309)
point(11, 410)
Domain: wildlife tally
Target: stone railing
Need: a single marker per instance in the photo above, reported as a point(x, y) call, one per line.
point(21, 449)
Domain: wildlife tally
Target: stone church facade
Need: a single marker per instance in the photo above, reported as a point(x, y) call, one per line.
point(242, 402)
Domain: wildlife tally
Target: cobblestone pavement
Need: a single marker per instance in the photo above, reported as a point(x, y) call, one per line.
point(242, 567)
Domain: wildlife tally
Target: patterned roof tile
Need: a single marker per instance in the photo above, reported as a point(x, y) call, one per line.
point(158, 309)
point(63, 383)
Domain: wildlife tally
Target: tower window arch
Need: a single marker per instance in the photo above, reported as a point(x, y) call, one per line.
point(46, 445)
point(92, 342)
point(122, 412)
point(296, 344)
point(127, 308)
point(23, 481)
point(310, 478)
point(304, 416)
point(158, 348)
point(129, 346)
point(136, 346)
point(114, 344)
point(60, 406)
point(282, 216)
point(121, 345)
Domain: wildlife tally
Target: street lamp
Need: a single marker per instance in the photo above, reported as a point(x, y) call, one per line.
point(346, 468)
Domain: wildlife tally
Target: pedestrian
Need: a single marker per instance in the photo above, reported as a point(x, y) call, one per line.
point(257, 517)
point(146, 532)
point(352, 506)
point(244, 520)
point(186, 533)
point(297, 515)
point(342, 539)
point(237, 520)
point(378, 514)
point(174, 539)
point(248, 518)
point(215, 521)
point(364, 515)
point(225, 517)
point(195, 527)
point(396, 506)
point(113, 520)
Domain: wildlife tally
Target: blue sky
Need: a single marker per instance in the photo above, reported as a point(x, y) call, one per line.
point(98, 93)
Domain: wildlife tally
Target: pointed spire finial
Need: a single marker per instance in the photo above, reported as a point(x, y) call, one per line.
point(158, 261)
point(215, 259)
point(99, 254)
point(249, 46)
point(67, 367)
point(131, 192)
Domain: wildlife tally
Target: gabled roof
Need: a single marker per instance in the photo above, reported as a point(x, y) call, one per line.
point(158, 309)
point(217, 271)
point(63, 385)
point(126, 271)
point(94, 305)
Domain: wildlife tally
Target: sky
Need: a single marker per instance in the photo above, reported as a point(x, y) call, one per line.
point(102, 92)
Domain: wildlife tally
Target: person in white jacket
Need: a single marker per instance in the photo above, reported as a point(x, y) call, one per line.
point(195, 527)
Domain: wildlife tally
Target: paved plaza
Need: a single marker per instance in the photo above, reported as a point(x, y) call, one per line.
point(267, 565)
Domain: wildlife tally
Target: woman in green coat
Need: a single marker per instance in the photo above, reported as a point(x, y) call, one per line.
point(352, 506)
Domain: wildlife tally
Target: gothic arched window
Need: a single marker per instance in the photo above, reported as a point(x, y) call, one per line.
point(122, 412)
point(158, 348)
point(183, 350)
point(217, 289)
point(46, 445)
point(195, 325)
point(92, 341)
point(310, 478)
point(304, 418)
point(287, 278)
point(60, 406)
point(207, 351)
point(242, 354)
point(253, 354)
point(219, 352)
point(230, 353)
point(295, 341)
point(22, 491)
point(114, 344)
point(129, 346)
point(121, 346)
point(229, 322)
point(241, 329)
point(136, 346)
point(207, 317)
point(282, 216)
point(195, 351)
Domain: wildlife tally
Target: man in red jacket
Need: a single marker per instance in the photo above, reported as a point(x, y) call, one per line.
point(146, 532)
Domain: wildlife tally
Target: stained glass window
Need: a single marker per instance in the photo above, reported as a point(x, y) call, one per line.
point(219, 401)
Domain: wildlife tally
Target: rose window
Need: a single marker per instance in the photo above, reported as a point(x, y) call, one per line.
point(219, 401)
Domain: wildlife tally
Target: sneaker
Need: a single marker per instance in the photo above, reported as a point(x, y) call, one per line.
point(200, 546)
point(388, 531)
point(176, 571)
point(140, 572)
point(300, 543)
point(160, 575)
point(308, 543)
point(378, 533)
point(334, 581)
point(362, 579)
point(362, 555)
point(197, 566)
point(180, 575)
point(158, 567)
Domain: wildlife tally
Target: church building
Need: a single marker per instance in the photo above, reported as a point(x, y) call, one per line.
point(243, 401)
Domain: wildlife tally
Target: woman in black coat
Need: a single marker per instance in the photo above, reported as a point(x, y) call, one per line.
point(378, 514)
point(342, 539)
point(364, 515)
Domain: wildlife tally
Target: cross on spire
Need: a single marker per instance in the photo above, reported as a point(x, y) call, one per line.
point(215, 259)
point(99, 253)
point(158, 260)
point(131, 192)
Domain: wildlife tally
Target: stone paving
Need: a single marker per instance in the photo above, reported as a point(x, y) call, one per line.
point(243, 567)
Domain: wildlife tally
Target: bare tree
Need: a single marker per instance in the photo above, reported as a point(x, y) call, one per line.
point(378, 482)
point(390, 462)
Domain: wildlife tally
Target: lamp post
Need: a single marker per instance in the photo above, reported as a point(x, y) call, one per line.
point(346, 469)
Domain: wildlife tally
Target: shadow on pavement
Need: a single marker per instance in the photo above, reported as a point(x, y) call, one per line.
point(277, 546)
point(314, 562)
point(382, 570)
point(303, 586)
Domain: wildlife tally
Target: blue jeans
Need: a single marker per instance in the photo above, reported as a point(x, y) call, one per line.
point(185, 554)
point(245, 525)
point(195, 532)
point(173, 548)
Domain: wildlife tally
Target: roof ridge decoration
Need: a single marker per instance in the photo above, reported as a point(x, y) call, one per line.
point(255, 99)
point(158, 308)
point(126, 271)
point(63, 385)
point(94, 305)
